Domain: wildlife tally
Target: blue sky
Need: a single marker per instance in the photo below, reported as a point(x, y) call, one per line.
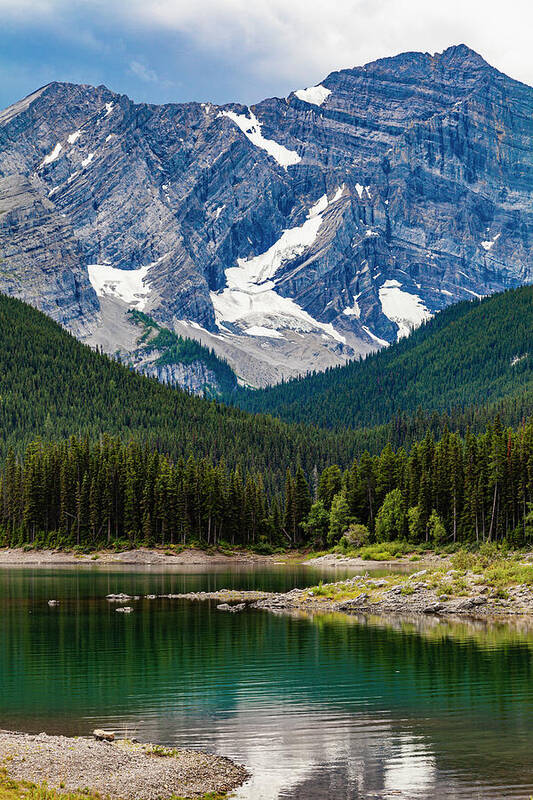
point(239, 50)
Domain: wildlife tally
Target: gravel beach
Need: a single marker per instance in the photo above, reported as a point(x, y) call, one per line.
point(116, 769)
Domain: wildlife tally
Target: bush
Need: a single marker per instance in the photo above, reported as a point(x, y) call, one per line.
point(463, 560)
point(262, 548)
point(356, 536)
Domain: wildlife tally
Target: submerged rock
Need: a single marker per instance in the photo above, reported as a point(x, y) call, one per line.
point(434, 608)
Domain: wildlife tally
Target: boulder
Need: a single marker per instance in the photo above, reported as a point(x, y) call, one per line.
point(103, 736)
point(434, 608)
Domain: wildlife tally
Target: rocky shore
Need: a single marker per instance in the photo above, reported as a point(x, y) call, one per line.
point(119, 769)
point(437, 592)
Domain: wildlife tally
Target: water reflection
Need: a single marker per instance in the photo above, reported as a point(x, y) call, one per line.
point(330, 707)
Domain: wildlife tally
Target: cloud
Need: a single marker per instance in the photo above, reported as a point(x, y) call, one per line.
point(143, 72)
point(302, 40)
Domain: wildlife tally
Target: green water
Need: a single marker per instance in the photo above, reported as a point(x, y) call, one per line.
point(328, 708)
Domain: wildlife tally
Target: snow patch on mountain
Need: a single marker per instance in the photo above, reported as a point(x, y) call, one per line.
point(373, 336)
point(489, 243)
point(405, 309)
point(128, 285)
point(360, 189)
point(314, 95)
point(73, 138)
point(53, 155)
point(353, 310)
point(250, 298)
point(259, 330)
point(251, 127)
point(339, 193)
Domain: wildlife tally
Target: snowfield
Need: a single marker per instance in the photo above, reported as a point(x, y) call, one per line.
point(128, 285)
point(315, 95)
point(405, 309)
point(489, 243)
point(250, 299)
point(53, 155)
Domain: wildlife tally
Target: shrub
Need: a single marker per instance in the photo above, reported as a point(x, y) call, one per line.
point(464, 560)
point(357, 535)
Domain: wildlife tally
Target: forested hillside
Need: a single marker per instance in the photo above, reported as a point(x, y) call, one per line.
point(149, 463)
point(52, 386)
point(471, 353)
point(173, 351)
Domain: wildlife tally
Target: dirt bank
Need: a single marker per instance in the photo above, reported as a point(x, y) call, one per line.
point(141, 556)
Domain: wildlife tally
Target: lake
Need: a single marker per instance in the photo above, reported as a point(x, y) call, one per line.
point(335, 707)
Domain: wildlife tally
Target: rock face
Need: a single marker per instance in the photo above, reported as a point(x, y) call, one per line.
point(288, 236)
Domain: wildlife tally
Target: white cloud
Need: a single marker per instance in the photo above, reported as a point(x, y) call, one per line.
point(302, 40)
point(306, 39)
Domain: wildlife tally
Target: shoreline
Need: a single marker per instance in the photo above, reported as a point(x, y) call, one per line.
point(142, 556)
point(190, 556)
point(120, 770)
point(420, 593)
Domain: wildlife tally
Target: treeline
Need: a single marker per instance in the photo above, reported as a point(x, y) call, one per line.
point(80, 493)
point(92, 494)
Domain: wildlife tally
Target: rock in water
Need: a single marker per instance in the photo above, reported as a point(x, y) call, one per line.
point(232, 608)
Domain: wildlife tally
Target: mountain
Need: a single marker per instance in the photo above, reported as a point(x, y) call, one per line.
point(472, 352)
point(293, 235)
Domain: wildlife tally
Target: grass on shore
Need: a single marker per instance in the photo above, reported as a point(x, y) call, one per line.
point(466, 573)
point(23, 790)
point(402, 550)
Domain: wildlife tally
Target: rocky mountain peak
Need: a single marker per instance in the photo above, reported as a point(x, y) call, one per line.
point(287, 236)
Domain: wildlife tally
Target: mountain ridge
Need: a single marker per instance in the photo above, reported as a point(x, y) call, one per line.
point(291, 235)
